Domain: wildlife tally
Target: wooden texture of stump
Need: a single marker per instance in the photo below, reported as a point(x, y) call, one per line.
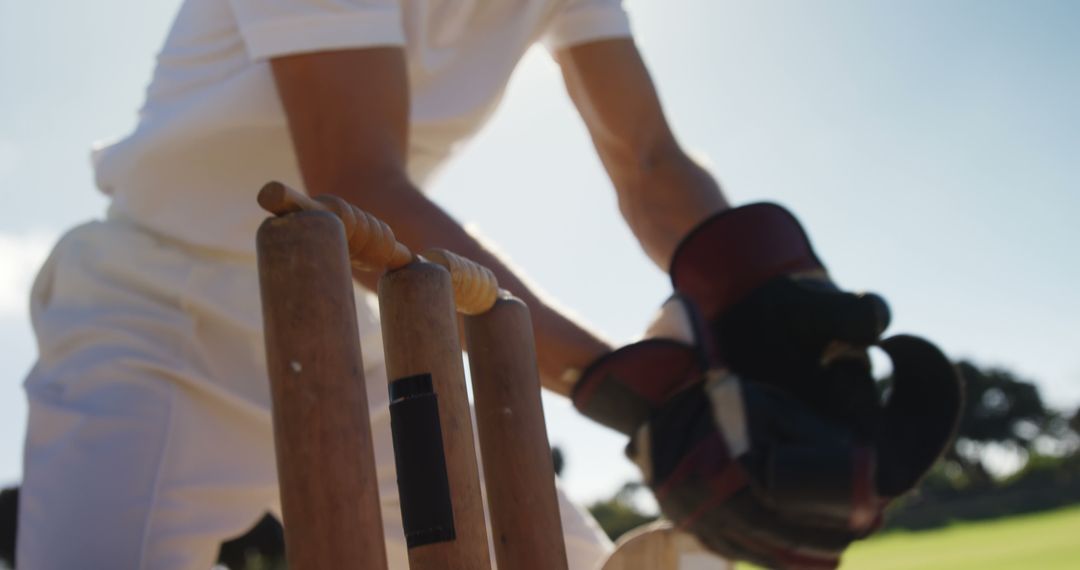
point(518, 470)
point(322, 434)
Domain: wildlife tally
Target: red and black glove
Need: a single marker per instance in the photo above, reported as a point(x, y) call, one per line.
point(772, 313)
point(765, 436)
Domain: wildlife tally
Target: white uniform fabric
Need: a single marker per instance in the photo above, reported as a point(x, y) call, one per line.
point(212, 130)
point(149, 437)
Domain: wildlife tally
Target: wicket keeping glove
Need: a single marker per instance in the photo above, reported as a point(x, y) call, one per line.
point(755, 419)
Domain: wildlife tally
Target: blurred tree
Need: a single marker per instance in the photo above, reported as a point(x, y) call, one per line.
point(558, 460)
point(1004, 410)
point(1074, 423)
point(261, 548)
point(619, 514)
point(9, 518)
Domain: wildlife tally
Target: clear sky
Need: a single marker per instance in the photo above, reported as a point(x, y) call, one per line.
point(931, 147)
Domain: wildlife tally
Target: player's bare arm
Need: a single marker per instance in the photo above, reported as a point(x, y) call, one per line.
point(753, 302)
point(348, 114)
point(662, 192)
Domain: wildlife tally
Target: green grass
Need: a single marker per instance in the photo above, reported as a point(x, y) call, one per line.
point(1044, 541)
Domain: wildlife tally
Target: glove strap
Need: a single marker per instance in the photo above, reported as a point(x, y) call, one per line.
point(736, 251)
point(622, 388)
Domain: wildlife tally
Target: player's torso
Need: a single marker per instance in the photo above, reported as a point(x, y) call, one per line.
point(212, 128)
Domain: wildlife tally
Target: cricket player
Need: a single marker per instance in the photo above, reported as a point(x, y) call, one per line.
point(149, 437)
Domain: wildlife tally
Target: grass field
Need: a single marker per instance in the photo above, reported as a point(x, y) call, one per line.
point(1044, 541)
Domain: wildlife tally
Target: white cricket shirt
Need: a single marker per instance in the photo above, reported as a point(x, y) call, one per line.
point(212, 130)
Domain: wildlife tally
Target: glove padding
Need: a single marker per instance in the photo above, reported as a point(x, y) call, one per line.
point(772, 312)
point(790, 458)
point(755, 473)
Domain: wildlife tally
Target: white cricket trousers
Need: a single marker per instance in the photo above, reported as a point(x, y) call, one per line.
point(149, 438)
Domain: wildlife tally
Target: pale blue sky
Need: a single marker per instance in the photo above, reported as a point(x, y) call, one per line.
point(931, 147)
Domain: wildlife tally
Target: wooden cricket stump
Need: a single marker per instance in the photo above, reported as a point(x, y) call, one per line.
point(438, 480)
point(322, 434)
point(436, 458)
point(518, 469)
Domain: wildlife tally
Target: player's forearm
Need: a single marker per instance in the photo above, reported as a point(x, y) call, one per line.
point(662, 196)
point(562, 342)
point(348, 118)
point(662, 192)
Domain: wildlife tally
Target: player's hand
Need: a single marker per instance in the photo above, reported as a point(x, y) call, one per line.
point(755, 473)
point(770, 308)
point(773, 314)
point(761, 429)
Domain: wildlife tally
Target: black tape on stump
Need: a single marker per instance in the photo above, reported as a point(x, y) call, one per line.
point(427, 513)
